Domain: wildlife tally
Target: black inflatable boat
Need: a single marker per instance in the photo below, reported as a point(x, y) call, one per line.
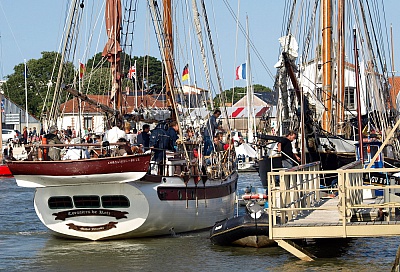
point(250, 229)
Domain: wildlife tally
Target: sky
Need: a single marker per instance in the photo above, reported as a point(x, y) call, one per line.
point(29, 27)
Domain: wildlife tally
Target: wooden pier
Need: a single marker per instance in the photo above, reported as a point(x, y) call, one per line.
point(299, 207)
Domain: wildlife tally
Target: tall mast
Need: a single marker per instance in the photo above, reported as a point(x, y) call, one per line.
point(392, 47)
point(357, 74)
point(250, 120)
point(327, 64)
point(112, 50)
point(341, 67)
point(393, 91)
point(168, 52)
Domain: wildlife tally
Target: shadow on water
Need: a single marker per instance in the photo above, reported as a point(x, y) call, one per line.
point(327, 248)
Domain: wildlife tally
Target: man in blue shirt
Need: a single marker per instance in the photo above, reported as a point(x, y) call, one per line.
point(173, 135)
point(209, 132)
point(143, 139)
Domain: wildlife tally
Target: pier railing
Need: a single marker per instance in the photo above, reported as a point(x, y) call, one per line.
point(298, 203)
point(298, 190)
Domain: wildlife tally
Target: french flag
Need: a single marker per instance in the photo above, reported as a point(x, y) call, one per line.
point(241, 71)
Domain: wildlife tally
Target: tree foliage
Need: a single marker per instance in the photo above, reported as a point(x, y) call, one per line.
point(41, 78)
point(148, 73)
point(97, 79)
point(39, 74)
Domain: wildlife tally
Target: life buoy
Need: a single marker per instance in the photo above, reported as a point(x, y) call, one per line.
point(255, 196)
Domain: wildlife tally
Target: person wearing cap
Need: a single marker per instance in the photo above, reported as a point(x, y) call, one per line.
point(52, 138)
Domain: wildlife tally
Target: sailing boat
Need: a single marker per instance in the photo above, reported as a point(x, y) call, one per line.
point(122, 197)
point(321, 95)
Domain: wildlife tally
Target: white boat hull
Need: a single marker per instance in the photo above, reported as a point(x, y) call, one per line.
point(31, 181)
point(147, 215)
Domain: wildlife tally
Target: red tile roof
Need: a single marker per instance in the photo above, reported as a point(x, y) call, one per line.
point(394, 91)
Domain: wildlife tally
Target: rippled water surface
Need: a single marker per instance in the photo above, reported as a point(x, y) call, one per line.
point(27, 245)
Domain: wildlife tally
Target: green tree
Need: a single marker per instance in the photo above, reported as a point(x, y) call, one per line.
point(39, 72)
point(97, 78)
point(148, 73)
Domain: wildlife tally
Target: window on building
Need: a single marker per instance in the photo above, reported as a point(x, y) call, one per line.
point(319, 94)
point(87, 122)
point(349, 98)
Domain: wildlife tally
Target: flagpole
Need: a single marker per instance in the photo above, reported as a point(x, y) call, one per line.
point(136, 105)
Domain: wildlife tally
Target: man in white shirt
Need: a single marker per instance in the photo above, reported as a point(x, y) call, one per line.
point(112, 135)
point(76, 152)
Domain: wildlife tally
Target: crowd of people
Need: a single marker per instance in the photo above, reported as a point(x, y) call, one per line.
point(125, 140)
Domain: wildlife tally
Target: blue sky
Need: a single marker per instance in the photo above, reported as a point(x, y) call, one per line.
point(29, 27)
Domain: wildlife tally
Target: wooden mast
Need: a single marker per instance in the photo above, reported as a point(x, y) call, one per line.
point(358, 93)
point(112, 50)
point(393, 91)
point(169, 54)
point(327, 64)
point(341, 68)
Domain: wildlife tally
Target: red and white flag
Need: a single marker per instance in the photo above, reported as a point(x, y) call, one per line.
point(132, 72)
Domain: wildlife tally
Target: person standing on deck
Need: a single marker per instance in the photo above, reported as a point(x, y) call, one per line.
point(209, 132)
point(285, 146)
point(25, 135)
point(112, 135)
point(173, 135)
point(143, 139)
point(52, 138)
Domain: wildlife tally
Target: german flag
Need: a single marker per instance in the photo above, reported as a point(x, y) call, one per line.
point(185, 74)
point(82, 69)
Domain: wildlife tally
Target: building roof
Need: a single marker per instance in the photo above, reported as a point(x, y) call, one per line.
point(259, 99)
point(394, 91)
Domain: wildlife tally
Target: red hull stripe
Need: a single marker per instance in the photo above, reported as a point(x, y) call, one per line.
point(191, 193)
point(133, 163)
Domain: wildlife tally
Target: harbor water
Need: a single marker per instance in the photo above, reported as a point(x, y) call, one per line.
point(27, 245)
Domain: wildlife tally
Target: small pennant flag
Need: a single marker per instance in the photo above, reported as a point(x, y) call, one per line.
point(82, 69)
point(185, 73)
point(132, 72)
point(241, 71)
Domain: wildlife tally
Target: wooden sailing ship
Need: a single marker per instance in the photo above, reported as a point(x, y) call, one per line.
point(124, 197)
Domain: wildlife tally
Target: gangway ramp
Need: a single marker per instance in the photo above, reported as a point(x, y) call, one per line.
point(300, 208)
